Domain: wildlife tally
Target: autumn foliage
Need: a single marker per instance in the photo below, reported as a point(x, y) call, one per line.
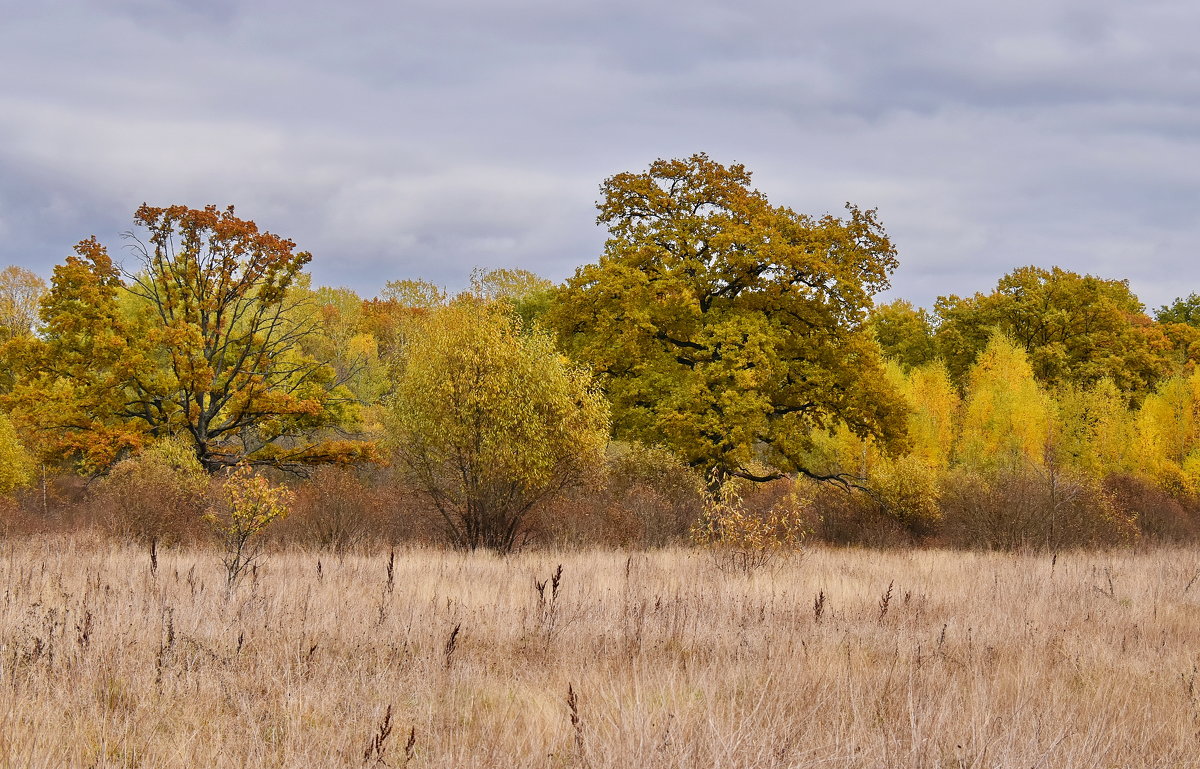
point(720, 375)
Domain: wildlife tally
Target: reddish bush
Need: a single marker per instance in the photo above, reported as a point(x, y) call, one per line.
point(343, 508)
point(1160, 516)
point(1030, 507)
point(646, 498)
point(851, 517)
point(156, 496)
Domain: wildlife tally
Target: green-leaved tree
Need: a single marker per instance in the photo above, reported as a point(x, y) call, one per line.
point(489, 420)
point(728, 329)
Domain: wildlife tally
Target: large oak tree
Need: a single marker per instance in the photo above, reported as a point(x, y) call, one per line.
point(726, 328)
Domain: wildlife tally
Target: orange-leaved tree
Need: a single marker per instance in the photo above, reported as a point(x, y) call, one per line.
point(203, 340)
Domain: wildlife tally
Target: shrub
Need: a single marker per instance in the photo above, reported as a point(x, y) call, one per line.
point(155, 496)
point(247, 505)
point(852, 517)
point(646, 497)
point(907, 490)
point(1159, 515)
point(338, 509)
point(1029, 507)
point(743, 540)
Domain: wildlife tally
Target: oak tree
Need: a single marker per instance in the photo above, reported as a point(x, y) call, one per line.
point(201, 340)
point(1182, 310)
point(904, 333)
point(726, 328)
point(1074, 328)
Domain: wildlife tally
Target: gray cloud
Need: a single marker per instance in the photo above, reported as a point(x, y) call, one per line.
point(426, 138)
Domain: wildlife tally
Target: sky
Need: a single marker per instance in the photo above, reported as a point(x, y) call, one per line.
point(421, 139)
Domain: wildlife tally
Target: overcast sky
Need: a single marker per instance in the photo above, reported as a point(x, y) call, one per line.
point(421, 139)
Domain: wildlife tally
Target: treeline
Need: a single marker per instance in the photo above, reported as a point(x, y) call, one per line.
point(723, 364)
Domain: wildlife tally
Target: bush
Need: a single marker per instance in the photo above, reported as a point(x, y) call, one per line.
point(853, 517)
point(246, 506)
point(907, 490)
point(743, 540)
point(155, 496)
point(1159, 515)
point(338, 509)
point(1030, 507)
point(646, 497)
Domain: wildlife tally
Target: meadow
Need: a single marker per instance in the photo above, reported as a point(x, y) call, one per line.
point(432, 658)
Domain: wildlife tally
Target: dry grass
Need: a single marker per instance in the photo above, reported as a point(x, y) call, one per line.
point(907, 659)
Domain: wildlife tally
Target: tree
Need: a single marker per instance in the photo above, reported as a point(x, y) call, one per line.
point(933, 412)
point(1183, 310)
point(904, 333)
point(203, 340)
point(156, 495)
point(489, 420)
point(419, 294)
point(71, 384)
point(16, 464)
point(728, 329)
point(339, 337)
point(527, 293)
point(1074, 328)
point(1168, 429)
point(20, 292)
point(1096, 434)
point(508, 285)
point(1006, 416)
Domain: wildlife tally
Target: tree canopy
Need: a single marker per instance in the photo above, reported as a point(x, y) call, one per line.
point(904, 333)
point(20, 293)
point(1074, 328)
point(490, 419)
point(726, 328)
point(201, 340)
point(1182, 310)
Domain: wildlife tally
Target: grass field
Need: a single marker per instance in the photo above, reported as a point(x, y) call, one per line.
point(911, 659)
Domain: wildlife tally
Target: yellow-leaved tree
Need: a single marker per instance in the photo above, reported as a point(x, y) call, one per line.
point(16, 464)
point(908, 486)
point(489, 420)
point(904, 487)
point(1168, 434)
point(1006, 417)
point(1095, 433)
point(934, 405)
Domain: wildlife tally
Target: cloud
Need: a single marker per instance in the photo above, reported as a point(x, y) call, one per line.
point(427, 138)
